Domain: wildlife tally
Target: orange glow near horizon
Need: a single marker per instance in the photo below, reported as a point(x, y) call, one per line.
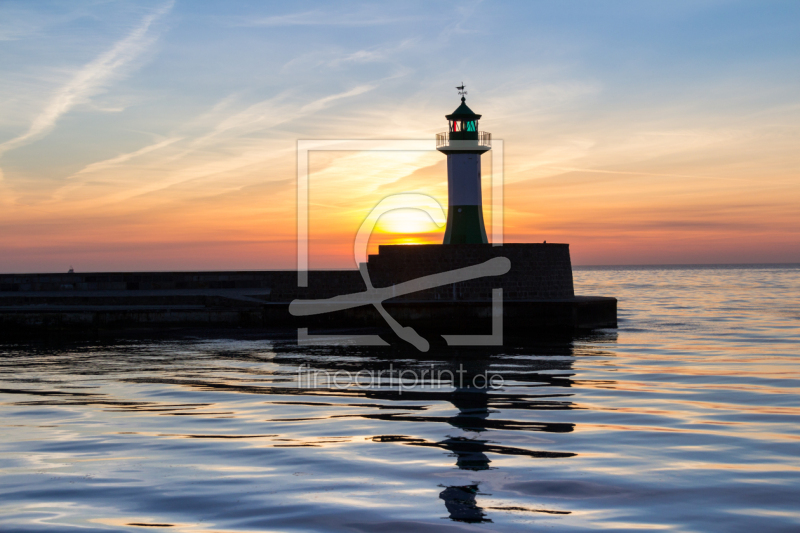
point(237, 221)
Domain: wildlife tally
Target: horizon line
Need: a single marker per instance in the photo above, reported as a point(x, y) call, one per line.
point(620, 266)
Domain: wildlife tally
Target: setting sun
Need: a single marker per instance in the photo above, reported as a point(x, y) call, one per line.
point(407, 221)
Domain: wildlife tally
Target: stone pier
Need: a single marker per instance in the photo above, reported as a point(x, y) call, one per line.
point(537, 296)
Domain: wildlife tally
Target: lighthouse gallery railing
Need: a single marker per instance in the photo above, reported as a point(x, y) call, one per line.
point(443, 139)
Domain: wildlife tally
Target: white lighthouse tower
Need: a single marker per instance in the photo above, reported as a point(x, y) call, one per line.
point(463, 144)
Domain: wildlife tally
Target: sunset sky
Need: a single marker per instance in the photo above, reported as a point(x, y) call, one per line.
point(162, 135)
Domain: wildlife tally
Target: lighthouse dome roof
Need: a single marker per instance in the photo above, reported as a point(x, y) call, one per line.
point(463, 112)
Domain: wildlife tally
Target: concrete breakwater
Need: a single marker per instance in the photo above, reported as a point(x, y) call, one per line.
point(537, 295)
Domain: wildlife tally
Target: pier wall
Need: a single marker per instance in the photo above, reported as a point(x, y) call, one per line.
point(282, 284)
point(538, 293)
point(538, 271)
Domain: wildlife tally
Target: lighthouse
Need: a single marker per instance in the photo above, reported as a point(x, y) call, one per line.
point(463, 145)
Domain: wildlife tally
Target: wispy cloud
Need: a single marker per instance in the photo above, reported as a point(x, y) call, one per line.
point(271, 112)
point(457, 28)
point(221, 166)
point(375, 54)
point(114, 161)
point(653, 174)
point(90, 79)
point(322, 103)
point(323, 18)
point(261, 115)
point(222, 151)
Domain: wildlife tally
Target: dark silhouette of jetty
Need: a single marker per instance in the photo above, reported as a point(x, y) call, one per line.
point(537, 297)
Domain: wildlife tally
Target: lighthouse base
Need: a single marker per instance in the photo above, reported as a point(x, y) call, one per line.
point(465, 225)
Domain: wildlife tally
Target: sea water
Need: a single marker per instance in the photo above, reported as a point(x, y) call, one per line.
point(686, 418)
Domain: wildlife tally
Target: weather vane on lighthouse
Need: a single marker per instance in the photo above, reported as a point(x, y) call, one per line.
point(463, 145)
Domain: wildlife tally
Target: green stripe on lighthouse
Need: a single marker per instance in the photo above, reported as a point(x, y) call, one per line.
point(465, 225)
